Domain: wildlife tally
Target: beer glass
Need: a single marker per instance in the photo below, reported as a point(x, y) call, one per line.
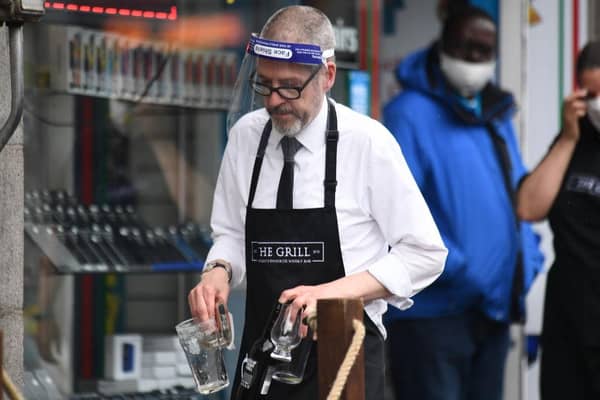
point(200, 342)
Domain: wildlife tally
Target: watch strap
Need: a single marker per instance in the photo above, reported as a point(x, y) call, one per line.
point(219, 264)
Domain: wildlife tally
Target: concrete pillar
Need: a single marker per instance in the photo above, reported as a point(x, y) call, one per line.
point(11, 230)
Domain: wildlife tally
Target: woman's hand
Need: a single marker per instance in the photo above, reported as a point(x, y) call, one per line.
point(574, 107)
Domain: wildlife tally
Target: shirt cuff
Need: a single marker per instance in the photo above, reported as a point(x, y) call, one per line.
point(228, 251)
point(396, 280)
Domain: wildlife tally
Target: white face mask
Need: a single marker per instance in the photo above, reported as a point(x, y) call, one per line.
point(593, 111)
point(466, 77)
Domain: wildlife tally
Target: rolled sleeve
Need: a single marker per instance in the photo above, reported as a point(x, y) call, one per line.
point(408, 269)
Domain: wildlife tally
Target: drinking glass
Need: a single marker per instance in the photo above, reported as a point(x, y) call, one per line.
point(204, 355)
point(293, 372)
point(285, 334)
point(224, 325)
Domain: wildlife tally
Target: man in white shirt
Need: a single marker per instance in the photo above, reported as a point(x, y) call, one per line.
point(354, 223)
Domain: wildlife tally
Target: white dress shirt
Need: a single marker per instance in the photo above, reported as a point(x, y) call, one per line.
point(378, 203)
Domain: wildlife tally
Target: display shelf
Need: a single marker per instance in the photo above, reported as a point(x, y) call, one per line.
point(105, 239)
point(47, 238)
point(117, 66)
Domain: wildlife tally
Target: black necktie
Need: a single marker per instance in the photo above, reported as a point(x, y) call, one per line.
point(289, 146)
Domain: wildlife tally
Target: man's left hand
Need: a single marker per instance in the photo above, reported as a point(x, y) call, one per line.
point(305, 298)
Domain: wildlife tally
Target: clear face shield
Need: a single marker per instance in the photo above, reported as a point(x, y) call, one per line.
point(249, 92)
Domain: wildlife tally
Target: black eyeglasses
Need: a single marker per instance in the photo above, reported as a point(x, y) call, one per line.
point(286, 92)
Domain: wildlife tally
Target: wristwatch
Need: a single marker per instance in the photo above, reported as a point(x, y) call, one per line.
point(219, 264)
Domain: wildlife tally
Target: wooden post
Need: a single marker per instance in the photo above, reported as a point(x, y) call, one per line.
point(334, 334)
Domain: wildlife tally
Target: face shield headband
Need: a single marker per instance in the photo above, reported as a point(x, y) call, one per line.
point(244, 98)
point(299, 53)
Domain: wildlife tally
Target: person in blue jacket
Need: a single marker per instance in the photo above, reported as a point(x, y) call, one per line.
point(455, 131)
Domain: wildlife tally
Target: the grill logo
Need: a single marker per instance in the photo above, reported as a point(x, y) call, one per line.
point(288, 252)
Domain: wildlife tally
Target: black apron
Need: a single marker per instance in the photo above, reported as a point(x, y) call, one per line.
point(287, 248)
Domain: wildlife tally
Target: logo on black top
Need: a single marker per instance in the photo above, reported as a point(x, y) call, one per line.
point(584, 184)
point(288, 252)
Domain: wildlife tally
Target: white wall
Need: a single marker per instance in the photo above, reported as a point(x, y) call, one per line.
point(416, 26)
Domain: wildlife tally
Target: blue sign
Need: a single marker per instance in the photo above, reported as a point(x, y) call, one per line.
point(359, 91)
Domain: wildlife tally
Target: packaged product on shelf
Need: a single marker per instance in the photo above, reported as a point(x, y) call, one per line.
point(174, 82)
point(101, 64)
point(66, 58)
point(123, 356)
point(89, 62)
point(160, 71)
point(159, 372)
point(113, 69)
point(150, 358)
point(212, 85)
point(127, 81)
point(200, 79)
point(74, 66)
point(138, 69)
point(188, 77)
point(230, 75)
point(148, 83)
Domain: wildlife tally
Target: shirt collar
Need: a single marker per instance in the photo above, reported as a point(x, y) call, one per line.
point(472, 105)
point(312, 136)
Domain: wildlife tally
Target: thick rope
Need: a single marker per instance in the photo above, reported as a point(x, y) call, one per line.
point(344, 371)
point(11, 389)
point(349, 358)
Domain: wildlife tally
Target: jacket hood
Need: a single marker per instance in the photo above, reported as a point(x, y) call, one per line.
point(420, 71)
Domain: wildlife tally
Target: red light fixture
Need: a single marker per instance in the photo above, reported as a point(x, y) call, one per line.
point(126, 12)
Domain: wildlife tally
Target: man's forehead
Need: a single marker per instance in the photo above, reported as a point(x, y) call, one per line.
point(477, 26)
point(483, 25)
point(281, 67)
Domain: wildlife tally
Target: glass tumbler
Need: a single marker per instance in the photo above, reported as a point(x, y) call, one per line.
point(204, 354)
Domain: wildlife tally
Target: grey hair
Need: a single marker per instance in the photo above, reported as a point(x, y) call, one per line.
point(300, 24)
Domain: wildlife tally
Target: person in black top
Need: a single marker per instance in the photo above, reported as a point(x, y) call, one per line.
point(565, 187)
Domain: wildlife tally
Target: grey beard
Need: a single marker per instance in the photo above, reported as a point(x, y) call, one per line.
point(287, 130)
point(290, 130)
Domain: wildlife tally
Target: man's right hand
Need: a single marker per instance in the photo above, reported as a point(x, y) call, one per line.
point(213, 286)
point(574, 107)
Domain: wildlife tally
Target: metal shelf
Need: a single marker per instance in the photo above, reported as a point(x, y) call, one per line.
point(45, 237)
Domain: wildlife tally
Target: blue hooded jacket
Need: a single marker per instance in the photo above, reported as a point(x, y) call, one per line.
point(450, 152)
